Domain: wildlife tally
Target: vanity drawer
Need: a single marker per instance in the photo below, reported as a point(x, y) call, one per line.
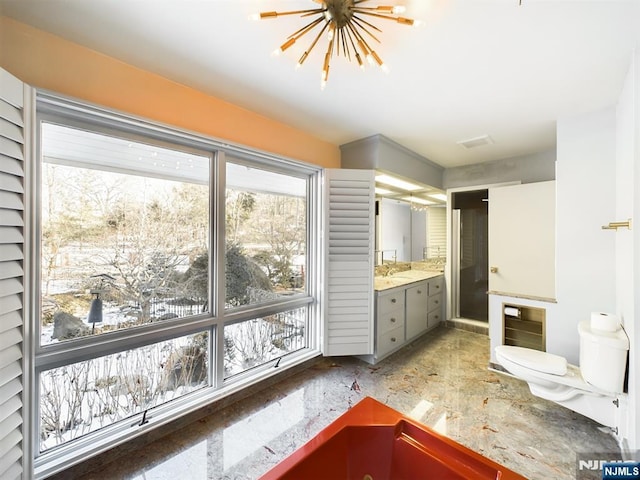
point(390, 341)
point(389, 320)
point(435, 302)
point(390, 301)
point(436, 285)
point(434, 317)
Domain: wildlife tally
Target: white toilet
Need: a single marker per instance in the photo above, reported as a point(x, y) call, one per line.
point(592, 390)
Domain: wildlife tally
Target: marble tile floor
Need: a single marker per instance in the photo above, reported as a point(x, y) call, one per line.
point(442, 380)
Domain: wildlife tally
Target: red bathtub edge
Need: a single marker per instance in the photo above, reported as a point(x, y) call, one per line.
point(370, 412)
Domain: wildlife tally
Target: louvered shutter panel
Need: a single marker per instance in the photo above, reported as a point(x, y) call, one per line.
point(436, 232)
point(349, 249)
point(12, 147)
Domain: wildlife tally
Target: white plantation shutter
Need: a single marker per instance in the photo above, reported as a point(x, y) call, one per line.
point(349, 243)
point(12, 147)
point(436, 232)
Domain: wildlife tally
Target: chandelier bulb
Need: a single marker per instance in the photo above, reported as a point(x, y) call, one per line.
point(324, 78)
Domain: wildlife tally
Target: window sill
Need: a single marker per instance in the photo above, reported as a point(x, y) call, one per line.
point(105, 446)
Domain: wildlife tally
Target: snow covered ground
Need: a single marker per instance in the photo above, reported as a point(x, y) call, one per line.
point(80, 398)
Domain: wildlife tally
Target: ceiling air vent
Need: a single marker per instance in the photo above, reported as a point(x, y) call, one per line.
point(476, 142)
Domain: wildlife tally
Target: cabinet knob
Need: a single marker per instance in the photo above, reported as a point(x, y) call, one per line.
point(419, 292)
point(493, 269)
point(393, 300)
point(393, 339)
point(393, 320)
point(438, 286)
point(436, 302)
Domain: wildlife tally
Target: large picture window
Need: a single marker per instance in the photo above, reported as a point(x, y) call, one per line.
point(169, 270)
point(266, 251)
point(266, 234)
point(125, 229)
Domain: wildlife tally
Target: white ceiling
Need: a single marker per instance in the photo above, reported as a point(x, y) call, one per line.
point(475, 67)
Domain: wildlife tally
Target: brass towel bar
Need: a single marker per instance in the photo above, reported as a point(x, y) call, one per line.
point(617, 225)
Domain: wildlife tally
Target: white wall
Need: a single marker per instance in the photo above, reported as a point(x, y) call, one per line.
point(585, 200)
point(627, 241)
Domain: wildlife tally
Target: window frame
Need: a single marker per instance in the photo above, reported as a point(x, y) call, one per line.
point(54, 108)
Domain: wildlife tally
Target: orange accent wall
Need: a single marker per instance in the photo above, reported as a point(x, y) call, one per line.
point(47, 61)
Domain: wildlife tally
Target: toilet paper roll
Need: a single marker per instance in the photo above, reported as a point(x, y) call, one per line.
point(512, 311)
point(606, 322)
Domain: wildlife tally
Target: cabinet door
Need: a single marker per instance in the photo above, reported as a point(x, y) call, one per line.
point(349, 231)
point(416, 309)
point(522, 240)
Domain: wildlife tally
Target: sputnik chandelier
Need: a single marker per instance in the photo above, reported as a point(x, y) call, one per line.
point(347, 28)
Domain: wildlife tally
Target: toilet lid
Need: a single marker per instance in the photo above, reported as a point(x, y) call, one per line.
point(535, 359)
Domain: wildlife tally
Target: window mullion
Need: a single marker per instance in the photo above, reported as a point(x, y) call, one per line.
point(218, 183)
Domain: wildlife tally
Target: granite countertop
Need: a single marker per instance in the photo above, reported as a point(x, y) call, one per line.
point(400, 279)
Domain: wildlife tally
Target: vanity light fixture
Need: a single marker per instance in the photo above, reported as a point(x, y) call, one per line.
point(397, 183)
point(438, 196)
point(347, 27)
point(383, 191)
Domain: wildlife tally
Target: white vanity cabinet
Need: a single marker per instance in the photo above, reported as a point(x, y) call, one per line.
point(417, 307)
point(389, 321)
point(435, 301)
point(403, 313)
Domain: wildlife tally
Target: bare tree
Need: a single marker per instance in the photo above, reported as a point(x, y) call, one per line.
point(280, 222)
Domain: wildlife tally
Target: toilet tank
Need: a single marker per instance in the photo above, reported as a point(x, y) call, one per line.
point(603, 357)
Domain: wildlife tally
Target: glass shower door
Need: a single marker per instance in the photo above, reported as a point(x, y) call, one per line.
point(470, 255)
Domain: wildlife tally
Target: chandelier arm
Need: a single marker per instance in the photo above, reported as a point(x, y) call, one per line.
point(353, 45)
point(335, 41)
point(314, 12)
point(313, 44)
point(380, 8)
point(304, 30)
point(264, 15)
point(368, 51)
point(362, 43)
point(364, 28)
point(345, 45)
point(366, 11)
point(327, 61)
point(362, 20)
point(400, 20)
point(349, 35)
